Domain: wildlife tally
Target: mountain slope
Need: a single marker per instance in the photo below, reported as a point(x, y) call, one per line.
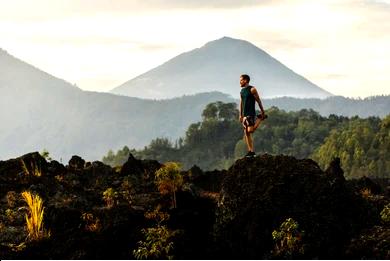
point(40, 111)
point(216, 67)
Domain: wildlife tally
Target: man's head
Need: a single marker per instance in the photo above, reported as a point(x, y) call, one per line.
point(244, 80)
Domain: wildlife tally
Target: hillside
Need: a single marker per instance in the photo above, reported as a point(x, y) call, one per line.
point(248, 211)
point(40, 111)
point(217, 66)
point(215, 142)
point(338, 105)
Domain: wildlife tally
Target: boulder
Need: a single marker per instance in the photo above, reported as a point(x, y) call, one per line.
point(259, 193)
point(142, 172)
point(373, 243)
point(76, 162)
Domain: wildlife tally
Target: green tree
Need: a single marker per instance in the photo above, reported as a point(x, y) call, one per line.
point(118, 158)
point(210, 112)
point(169, 179)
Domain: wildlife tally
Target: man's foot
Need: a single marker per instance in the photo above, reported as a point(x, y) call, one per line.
point(250, 154)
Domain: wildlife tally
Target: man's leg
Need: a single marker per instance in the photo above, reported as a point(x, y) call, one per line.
point(248, 139)
point(257, 123)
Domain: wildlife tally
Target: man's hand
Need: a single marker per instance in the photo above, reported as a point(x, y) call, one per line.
point(262, 114)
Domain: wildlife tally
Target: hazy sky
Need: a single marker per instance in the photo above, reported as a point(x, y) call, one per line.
point(341, 45)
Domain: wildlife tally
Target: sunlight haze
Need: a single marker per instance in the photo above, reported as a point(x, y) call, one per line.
point(342, 46)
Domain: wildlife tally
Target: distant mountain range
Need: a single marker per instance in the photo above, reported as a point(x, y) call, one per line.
point(40, 111)
point(216, 66)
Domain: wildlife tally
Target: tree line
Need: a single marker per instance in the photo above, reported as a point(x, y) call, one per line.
point(215, 142)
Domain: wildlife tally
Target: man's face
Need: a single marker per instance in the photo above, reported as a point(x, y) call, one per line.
point(243, 82)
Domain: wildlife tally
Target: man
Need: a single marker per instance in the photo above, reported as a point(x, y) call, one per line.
point(248, 116)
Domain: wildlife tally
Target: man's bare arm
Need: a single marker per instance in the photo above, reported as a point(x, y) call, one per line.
point(240, 116)
point(257, 98)
point(240, 107)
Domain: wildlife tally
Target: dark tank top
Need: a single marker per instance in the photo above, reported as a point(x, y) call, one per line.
point(248, 101)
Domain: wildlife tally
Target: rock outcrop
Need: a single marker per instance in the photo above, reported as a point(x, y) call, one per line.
point(95, 212)
point(259, 193)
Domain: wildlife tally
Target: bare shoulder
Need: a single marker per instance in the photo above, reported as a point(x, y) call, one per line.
point(253, 90)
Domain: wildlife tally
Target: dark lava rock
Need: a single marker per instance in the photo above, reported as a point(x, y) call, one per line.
point(373, 243)
point(56, 168)
point(366, 183)
point(259, 193)
point(20, 171)
point(195, 217)
point(194, 172)
point(210, 180)
point(76, 162)
point(335, 172)
point(142, 170)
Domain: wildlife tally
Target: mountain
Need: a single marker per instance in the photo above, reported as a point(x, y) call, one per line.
point(378, 105)
point(216, 66)
point(40, 111)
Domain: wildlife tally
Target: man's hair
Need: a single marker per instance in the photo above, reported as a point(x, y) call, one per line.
point(246, 77)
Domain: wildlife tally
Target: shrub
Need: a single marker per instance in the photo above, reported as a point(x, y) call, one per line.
point(158, 242)
point(11, 215)
point(92, 223)
point(385, 214)
point(12, 198)
point(46, 155)
point(34, 220)
point(288, 239)
point(128, 190)
point(110, 196)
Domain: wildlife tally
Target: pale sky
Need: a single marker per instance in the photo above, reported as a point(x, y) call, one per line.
point(340, 45)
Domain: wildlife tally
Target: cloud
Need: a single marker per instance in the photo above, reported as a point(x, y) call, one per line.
point(97, 40)
point(43, 10)
point(224, 4)
point(268, 40)
point(333, 43)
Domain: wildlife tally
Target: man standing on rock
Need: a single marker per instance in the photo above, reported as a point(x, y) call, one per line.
point(248, 116)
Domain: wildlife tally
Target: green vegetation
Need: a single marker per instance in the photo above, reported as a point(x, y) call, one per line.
point(110, 196)
point(362, 145)
point(385, 214)
point(288, 239)
point(45, 153)
point(169, 180)
point(217, 141)
point(158, 242)
point(117, 159)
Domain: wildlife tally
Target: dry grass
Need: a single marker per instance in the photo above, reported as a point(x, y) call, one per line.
point(92, 223)
point(34, 220)
point(35, 170)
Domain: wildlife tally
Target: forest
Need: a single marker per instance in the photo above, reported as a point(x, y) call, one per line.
point(217, 141)
point(317, 189)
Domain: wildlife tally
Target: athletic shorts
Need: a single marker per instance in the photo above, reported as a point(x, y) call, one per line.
point(249, 121)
